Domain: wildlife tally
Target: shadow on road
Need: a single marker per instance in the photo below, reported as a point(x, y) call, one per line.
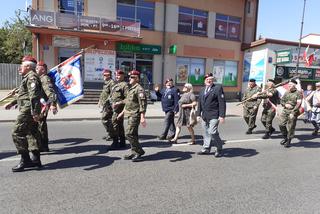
point(89, 162)
point(70, 141)
point(100, 149)
point(173, 156)
point(4, 155)
point(239, 152)
point(306, 137)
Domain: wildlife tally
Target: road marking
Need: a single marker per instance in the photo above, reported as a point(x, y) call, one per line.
point(9, 159)
point(244, 140)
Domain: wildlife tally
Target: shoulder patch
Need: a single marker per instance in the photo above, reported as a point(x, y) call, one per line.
point(141, 95)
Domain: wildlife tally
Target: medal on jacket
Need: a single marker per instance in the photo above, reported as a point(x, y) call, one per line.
point(169, 97)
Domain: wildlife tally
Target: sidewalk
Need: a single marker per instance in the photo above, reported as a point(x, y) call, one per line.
point(92, 112)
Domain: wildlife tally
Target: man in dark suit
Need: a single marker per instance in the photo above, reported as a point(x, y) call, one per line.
point(211, 111)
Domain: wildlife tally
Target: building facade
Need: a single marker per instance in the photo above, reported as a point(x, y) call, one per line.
point(277, 59)
point(179, 39)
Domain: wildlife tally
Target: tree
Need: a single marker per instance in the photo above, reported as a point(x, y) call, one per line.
point(15, 39)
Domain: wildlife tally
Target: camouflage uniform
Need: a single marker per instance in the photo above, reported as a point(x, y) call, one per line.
point(105, 102)
point(269, 112)
point(28, 100)
point(250, 108)
point(118, 94)
point(51, 98)
point(136, 103)
point(288, 117)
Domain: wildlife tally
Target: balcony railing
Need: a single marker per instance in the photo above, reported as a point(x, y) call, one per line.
point(84, 23)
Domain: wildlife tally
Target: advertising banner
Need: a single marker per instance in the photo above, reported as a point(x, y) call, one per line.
point(257, 69)
point(182, 73)
point(95, 61)
point(196, 76)
point(218, 71)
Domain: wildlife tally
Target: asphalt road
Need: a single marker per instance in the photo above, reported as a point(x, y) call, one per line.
point(82, 176)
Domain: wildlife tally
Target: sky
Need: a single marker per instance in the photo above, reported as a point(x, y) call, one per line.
point(278, 19)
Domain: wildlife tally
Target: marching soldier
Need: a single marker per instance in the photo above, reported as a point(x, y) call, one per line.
point(315, 111)
point(271, 98)
point(135, 109)
point(250, 107)
point(28, 100)
point(117, 97)
point(291, 102)
point(50, 99)
point(104, 101)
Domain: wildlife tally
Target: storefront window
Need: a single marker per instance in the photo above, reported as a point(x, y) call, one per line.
point(225, 72)
point(71, 6)
point(192, 21)
point(137, 11)
point(190, 70)
point(227, 27)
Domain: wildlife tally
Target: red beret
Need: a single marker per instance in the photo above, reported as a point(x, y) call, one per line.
point(169, 80)
point(119, 72)
point(41, 63)
point(134, 72)
point(208, 75)
point(106, 71)
point(29, 58)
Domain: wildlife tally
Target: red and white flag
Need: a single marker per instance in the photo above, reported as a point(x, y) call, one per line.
point(308, 58)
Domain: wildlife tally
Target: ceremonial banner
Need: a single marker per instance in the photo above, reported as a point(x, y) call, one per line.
point(67, 80)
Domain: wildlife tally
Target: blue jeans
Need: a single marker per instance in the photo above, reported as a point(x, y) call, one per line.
point(211, 135)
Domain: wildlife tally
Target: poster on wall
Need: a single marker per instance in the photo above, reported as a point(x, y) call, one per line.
point(95, 61)
point(230, 74)
point(258, 65)
point(182, 73)
point(218, 71)
point(247, 66)
point(196, 76)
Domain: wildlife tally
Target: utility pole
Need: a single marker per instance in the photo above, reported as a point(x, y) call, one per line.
point(299, 49)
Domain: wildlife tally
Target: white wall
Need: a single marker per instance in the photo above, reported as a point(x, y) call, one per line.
point(311, 39)
point(172, 18)
point(211, 24)
point(103, 8)
point(158, 16)
point(157, 69)
point(170, 67)
point(48, 5)
point(48, 57)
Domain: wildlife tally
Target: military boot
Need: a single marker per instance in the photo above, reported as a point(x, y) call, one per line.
point(283, 141)
point(122, 142)
point(287, 144)
point(266, 135)
point(36, 158)
point(25, 162)
point(115, 143)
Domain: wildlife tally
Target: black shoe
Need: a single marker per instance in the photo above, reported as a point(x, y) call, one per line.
point(35, 159)
point(249, 131)
point(136, 157)
point(204, 152)
point(266, 136)
point(255, 126)
point(170, 137)
point(287, 144)
point(25, 162)
point(218, 154)
point(315, 132)
point(128, 156)
point(161, 137)
point(272, 130)
point(283, 141)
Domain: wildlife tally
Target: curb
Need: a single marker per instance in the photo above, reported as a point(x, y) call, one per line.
point(94, 118)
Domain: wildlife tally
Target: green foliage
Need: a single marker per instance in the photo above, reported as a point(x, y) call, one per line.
point(15, 39)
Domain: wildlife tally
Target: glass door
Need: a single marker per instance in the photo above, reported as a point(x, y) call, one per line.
point(126, 65)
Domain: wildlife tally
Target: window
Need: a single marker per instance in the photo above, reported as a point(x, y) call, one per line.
point(137, 11)
point(192, 21)
point(190, 70)
point(227, 27)
point(71, 6)
point(225, 72)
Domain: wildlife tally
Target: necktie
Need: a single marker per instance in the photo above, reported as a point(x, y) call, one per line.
point(207, 90)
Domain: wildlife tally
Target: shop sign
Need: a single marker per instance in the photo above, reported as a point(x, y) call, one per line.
point(42, 18)
point(66, 41)
point(138, 48)
point(303, 72)
point(283, 56)
point(71, 21)
point(317, 74)
point(95, 61)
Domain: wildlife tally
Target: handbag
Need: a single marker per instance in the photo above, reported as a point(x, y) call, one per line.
point(193, 117)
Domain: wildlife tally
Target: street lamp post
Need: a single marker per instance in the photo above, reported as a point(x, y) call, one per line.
point(299, 49)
